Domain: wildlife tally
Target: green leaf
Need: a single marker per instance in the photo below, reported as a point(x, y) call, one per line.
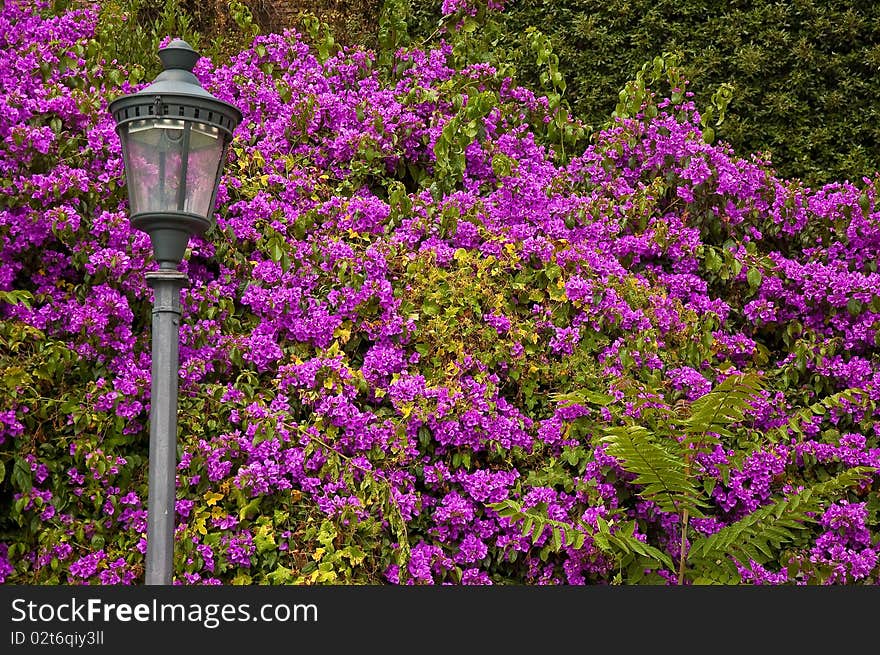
point(250, 510)
point(754, 278)
point(275, 250)
point(557, 538)
point(21, 475)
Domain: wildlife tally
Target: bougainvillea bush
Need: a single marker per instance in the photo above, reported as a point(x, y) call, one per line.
point(424, 346)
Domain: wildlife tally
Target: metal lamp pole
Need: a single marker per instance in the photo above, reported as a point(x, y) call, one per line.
point(174, 138)
point(166, 286)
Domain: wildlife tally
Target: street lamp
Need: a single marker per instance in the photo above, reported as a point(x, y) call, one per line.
point(174, 137)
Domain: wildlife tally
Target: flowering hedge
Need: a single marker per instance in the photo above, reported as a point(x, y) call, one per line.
point(421, 347)
point(803, 73)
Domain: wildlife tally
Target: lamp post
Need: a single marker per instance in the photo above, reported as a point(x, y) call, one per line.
point(174, 136)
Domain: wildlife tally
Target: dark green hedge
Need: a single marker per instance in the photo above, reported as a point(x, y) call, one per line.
point(806, 73)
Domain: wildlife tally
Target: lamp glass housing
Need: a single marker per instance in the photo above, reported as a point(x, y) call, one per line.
point(172, 165)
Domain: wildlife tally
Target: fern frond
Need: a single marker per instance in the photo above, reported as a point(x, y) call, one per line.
point(582, 397)
point(760, 535)
point(659, 466)
point(726, 404)
point(535, 520)
point(622, 542)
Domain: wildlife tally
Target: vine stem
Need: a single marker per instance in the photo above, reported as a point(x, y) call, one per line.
point(685, 518)
point(682, 554)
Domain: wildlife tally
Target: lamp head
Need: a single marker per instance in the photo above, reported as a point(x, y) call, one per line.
point(174, 137)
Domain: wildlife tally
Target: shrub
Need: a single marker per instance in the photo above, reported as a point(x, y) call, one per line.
point(803, 73)
point(420, 354)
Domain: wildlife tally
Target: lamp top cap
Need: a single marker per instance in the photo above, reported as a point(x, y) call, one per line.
point(178, 54)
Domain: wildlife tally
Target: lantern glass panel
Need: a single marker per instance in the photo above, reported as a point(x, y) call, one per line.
point(171, 165)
